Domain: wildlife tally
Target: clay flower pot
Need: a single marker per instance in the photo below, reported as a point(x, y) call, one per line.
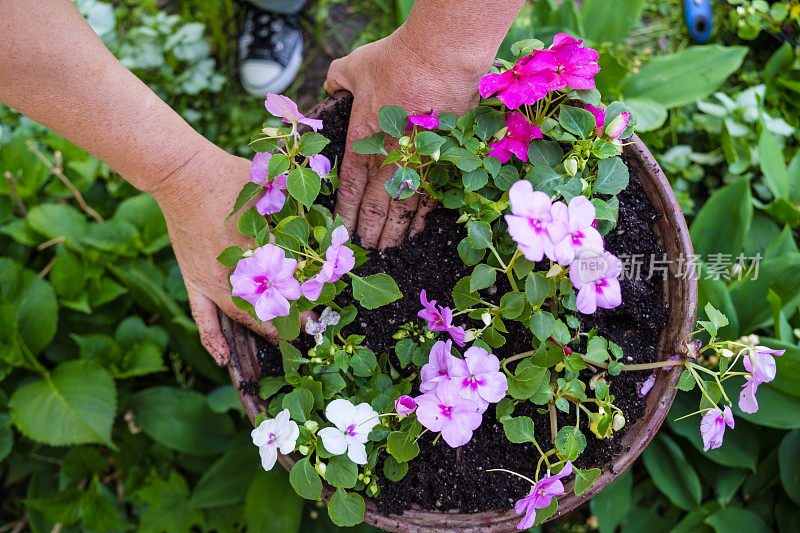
point(680, 296)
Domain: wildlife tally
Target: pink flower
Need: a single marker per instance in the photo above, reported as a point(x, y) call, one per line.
point(599, 118)
point(541, 495)
point(618, 125)
point(283, 107)
point(529, 220)
point(404, 406)
point(571, 230)
point(266, 280)
point(439, 367)
point(577, 65)
point(429, 121)
point(595, 276)
point(516, 141)
point(320, 164)
point(528, 81)
point(646, 385)
point(479, 377)
point(444, 410)
point(273, 199)
point(440, 319)
point(760, 362)
point(339, 260)
point(712, 427)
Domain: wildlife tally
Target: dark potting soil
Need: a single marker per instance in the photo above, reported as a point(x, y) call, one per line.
point(442, 478)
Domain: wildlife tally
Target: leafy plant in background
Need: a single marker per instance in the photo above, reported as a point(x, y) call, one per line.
point(750, 17)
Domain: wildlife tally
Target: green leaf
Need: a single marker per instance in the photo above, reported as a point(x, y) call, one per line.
point(181, 420)
point(507, 177)
point(375, 290)
point(465, 160)
point(732, 204)
point(597, 349)
point(546, 153)
point(483, 276)
point(672, 473)
point(167, 506)
point(672, 80)
point(271, 506)
point(789, 461)
point(602, 22)
point(402, 446)
point(226, 481)
point(291, 357)
point(398, 185)
point(650, 115)
point(611, 505)
point(519, 429)
point(775, 409)
point(538, 288)
point(364, 362)
point(230, 256)
point(288, 326)
point(251, 222)
point(393, 119)
point(542, 324)
point(480, 234)
point(545, 179)
point(341, 472)
point(304, 185)
point(305, 480)
point(393, 470)
point(770, 158)
point(779, 274)
point(56, 220)
point(612, 176)
point(278, 164)
point(312, 143)
point(475, 179)
point(299, 402)
point(60, 410)
point(570, 442)
point(427, 142)
point(737, 519)
point(584, 479)
point(463, 297)
point(248, 192)
point(346, 509)
point(528, 380)
point(576, 120)
point(370, 145)
point(6, 436)
point(512, 304)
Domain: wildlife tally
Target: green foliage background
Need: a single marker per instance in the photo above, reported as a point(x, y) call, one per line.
point(113, 417)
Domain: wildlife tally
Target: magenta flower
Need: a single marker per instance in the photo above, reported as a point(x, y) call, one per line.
point(266, 280)
point(440, 319)
point(339, 260)
point(440, 365)
point(320, 164)
point(541, 495)
point(479, 377)
point(618, 125)
point(444, 410)
point(529, 220)
point(712, 427)
point(595, 276)
point(283, 107)
point(572, 230)
point(577, 65)
point(273, 199)
point(528, 81)
point(404, 406)
point(599, 118)
point(429, 121)
point(518, 137)
point(760, 362)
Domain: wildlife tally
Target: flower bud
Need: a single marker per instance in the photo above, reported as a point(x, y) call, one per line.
point(348, 349)
point(555, 270)
point(321, 469)
point(726, 353)
point(313, 352)
point(311, 425)
point(404, 406)
point(595, 379)
point(372, 489)
point(435, 156)
point(618, 421)
point(559, 367)
point(366, 480)
point(303, 449)
point(470, 335)
point(571, 166)
point(301, 264)
point(481, 145)
point(248, 253)
point(618, 125)
point(405, 141)
point(360, 477)
point(462, 219)
point(487, 318)
point(271, 132)
point(500, 134)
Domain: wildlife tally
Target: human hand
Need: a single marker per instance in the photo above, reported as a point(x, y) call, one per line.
point(392, 71)
point(195, 201)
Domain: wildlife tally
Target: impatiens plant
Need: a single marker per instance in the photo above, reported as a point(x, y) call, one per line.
point(533, 173)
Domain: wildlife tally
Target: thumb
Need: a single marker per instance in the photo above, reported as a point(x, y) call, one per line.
point(338, 77)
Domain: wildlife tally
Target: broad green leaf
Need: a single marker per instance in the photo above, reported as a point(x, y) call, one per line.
point(519, 429)
point(584, 479)
point(393, 470)
point(375, 290)
point(167, 506)
point(542, 324)
point(730, 204)
point(512, 304)
point(465, 160)
point(672, 473)
point(278, 164)
point(6, 436)
point(60, 410)
point(538, 288)
point(612, 503)
point(312, 143)
point(612, 176)
point(775, 409)
point(56, 220)
point(271, 506)
point(770, 157)
point(475, 179)
point(403, 184)
point(393, 119)
point(251, 222)
point(789, 461)
point(427, 142)
point(576, 120)
point(341, 472)
point(737, 519)
point(248, 192)
point(528, 380)
point(543, 152)
point(483, 276)
point(463, 297)
point(545, 179)
point(364, 362)
point(402, 446)
point(781, 275)
point(304, 185)
point(305, 480)
point(370, 145)
point(602, 22)
point(299, 402)
point(230, 256)
point(480, 234)
point(226, 481)
point(650, 115)
point(346, 509)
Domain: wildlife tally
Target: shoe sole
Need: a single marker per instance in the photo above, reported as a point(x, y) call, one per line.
point(282, 81)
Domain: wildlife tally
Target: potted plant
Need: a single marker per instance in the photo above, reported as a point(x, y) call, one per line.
point(508, 362)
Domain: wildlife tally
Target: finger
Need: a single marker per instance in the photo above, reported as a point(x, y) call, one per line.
point(204, 312)
point(374, 208)
point(425, 207)
point(401, 212)
point(336, 79)
point(353, 177)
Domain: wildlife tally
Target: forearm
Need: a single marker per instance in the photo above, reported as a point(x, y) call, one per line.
point(464, 33)
point(56, 71)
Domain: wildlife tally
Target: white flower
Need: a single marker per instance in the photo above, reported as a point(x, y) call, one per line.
point(353, 424)
point(329, 317)
point(279, 433)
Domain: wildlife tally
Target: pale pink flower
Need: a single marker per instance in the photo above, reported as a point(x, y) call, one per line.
point(577, 65)
point(572, 231)
point(646, 385)
point(595, 275)
point(320, 164)
point(444, 410)
point(266, 280)
point(528, 81)
point(712, 427)
point(517, 138)
point(404, 406)
point(273, 199)
point(760, 362)
point(618, 125)
point(541, 496)
point(479, 377)
point(439, 367)
point(440, 319)
point(352, 424)
point(283, 107)
point(339, 260)
point(529, 220)
point(429, 121)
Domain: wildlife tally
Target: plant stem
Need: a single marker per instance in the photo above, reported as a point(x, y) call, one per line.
point(519, 356)
point(553, 422)
point(529, 480)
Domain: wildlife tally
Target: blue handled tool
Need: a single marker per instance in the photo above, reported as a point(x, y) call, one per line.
point(698, 19)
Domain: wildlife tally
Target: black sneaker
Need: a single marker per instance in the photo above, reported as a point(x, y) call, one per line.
point(270, 51)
